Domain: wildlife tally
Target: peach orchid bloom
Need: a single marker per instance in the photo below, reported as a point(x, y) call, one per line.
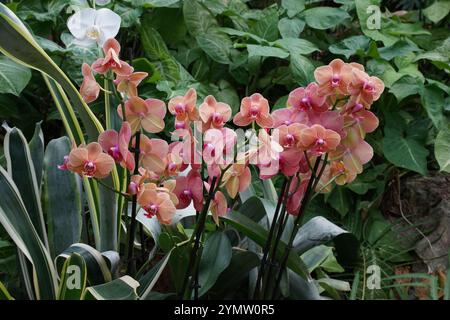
point(367, 88)
point(334, 78)
point(184, 107)
point(236, 179)
point(127, 84)
point(297, 189)
point(153, 154)
point(218, 206)
point(267, 149)
point(217, 144)
point(174, 164)
point(305, 99)
point(89, 89)
point(290, 135)
point(148, 113)
point(214, 114)
point(111, 61)
point(157, 203)
point(189, 188)
point(90, 161)
point(319, 140)
point(362, 119)
point(254, 108)
point(288, 116)
point(137, 181)
point(342, 174)
point(116, 145)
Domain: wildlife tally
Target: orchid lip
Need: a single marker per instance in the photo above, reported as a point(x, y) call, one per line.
point(93, 32)
point(89, 168)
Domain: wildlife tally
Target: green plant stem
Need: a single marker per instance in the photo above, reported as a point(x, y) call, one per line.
point(272, 254)
point(196, 235)
point(302, 209)
point(132, 227)
point(108, 124)
point(268, 243)
point(112, 189)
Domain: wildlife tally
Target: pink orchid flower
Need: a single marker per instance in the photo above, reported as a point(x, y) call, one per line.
point(116, 145)
point(137, 181)
point(305, 99)
point(267, 149)
point(342, 174)
point(157, 203)
point(329, 120)
point(297, 189)
point(153, 154)
point(354, 151)
point(334, 78)
point(288, 116)
point(254, 108)
point(184, 107)
point(174, 164)
point(290, 135)
point(368, 89)
point(90, 161)
point(146, 113)
point(218, 206)
point(214, 114)
point(127, 84)
point(218, 145)
point(111, 61)
point(362, 119)
point(89, 89)
point(189, 188)
point(319, 140)
point(236, 179)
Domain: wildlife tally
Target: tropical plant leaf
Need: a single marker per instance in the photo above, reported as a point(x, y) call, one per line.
point(148, 281)
point(36, 146)
point(16, 221)
point(13, 76)
point(61, 198)
point(73, 278)
point(123, 288)
point(4, 294)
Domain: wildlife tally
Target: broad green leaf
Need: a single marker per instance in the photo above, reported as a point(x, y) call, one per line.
point(266, 26)
point(154, 3)
point(156, 51)
point(405, 153)
point(340, 200)
point(297, 46)
point(370, 19)
point(123, 288)
point(216, 45)
point(13, 76)
point(400, 48)
point(290, 28)
point(148, 281)
point(197, 17)
point(302, 69)
point(21, 170)
point(437, 11)
point(61, 198)
point(17, 223)
point(242, 34)
point(433, 102)
point(404, 87)
point(259, 235)
point(17, 43)
point(321, 256)
point(324, 17)
point(99, 265)
point(36, 146)
point(73, 278)
point(350, 46)
point(442, 149)
point(216, 256)
point(293, 6)
point(265, 51)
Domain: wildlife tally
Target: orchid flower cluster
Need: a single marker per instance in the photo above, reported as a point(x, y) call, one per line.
point(329, 117)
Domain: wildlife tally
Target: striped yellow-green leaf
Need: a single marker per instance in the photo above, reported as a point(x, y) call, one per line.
point(73, 278)
point(21, 169)
point(4, 294)
point(37, 151)
point(98, 266)
point(61, 196)
point(17, 223)
point(123, 288)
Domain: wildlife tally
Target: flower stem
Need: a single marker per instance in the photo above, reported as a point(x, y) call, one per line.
point(266, 248)
point(303, 206)
point(112, 189)
point(197, 235)
point(131, 266)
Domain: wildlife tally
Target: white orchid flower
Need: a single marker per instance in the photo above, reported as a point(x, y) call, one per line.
point(89, 26)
